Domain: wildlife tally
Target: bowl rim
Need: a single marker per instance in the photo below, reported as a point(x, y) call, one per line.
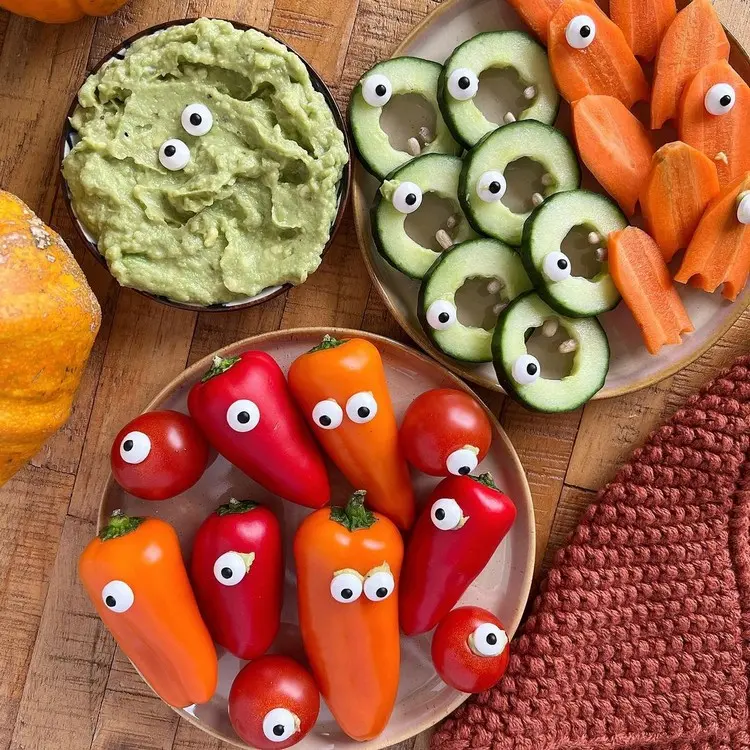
point(456, 382)
point(343, 188)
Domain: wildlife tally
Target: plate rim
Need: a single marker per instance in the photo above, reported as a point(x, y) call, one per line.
point(386, 343)
point(361, 212)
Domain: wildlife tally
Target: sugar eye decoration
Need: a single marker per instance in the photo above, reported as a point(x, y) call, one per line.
point(327, 414)
point(229, 569)
point(279, 724)
point(197, 119)
point(526, 369)
point(488, 640)
point(556, 266)
point(407, 198)
point(580, 32)
point(491, 186)
point(135, 447)
point(243, 415)
point(462, 462)
point(379, 586)
point(446, 514)
point(377, 90)
point(720, 99)
point(463, 84)
point(441, 315)
point(118, 596)
point(174, 155)
point(346, 587)
point(743, 209)
point(362, 407)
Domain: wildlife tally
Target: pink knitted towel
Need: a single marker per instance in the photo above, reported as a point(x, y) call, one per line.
point(640, 637)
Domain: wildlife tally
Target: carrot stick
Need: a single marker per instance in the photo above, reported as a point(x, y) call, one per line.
point(643, 22)
point(694, 39)
point(723, 136)
point(719, 252)
point(614, 145)
point(642, 277)
point(679, 186)
point(605, 65)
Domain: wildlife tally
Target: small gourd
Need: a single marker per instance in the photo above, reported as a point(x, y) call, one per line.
point(49, 318)
point(61, 11)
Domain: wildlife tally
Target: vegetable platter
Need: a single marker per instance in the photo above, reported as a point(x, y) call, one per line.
point(289, 530)
point(472, 292)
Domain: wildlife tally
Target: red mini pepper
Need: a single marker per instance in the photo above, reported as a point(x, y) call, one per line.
point(237, 570)
point(244, 408)
point(456, 534)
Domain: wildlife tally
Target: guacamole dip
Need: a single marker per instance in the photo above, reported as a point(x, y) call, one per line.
point(208, 165)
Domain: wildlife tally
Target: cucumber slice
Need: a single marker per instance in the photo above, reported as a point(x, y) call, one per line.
point(431, 173)
point(548, 267)
point(495, 49)
point(436, 307)
point(511, 359)
point(400, 75)
point(492, 155)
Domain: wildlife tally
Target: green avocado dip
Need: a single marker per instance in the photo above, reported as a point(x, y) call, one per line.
point(253, 205)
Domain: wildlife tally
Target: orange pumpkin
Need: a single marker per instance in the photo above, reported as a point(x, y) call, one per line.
point(49, 318)
point(61, 11)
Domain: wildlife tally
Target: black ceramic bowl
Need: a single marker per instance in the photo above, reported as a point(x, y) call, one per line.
point(68, 142)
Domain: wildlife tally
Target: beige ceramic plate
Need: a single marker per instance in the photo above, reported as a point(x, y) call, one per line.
point(631, 366)
point(503, 587)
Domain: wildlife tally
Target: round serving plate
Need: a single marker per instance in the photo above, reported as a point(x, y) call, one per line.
point(503, 586)
point(70, 138)
point(631, 366)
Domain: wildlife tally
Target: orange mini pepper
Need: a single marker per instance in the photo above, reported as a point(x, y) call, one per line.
point(135, 577)
point(342, 390)
point(348, 565)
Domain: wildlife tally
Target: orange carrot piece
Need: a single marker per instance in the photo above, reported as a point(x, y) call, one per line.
point(681, 183)
point(719, 252)
point(606, 66)
point(643, 22)
point(536, 14)
point(614, 145)
point(721, 137)
point(643, 279)
point(694, 39)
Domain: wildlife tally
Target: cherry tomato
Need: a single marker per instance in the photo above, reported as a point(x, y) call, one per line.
point(470, 649)
point(445, 432)
point(274, 702)
point(159, 455)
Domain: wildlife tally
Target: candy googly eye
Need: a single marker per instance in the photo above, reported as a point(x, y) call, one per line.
point(327, 414)
point(135, 447)
point(197, 119)
point(463, 84)
point(377, 90)
point(229, 568)
point(743, 209)
point(526, 369)
point(446, 514)
point(346, 587)
point(491, 186)
point(488, 640)
point(441, 314)
point(362, 407)
point(720, 99)
point(407, 198)
point(580, 32)
point(379, 586)
point(174, 155)
point(279, 724)
point(462, 462)
point(118, 596)
point(556, 266)
point(243, 415)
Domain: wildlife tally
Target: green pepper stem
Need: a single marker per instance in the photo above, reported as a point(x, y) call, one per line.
point(218, 366)
point(236, 506)
point(119, 524)
point(328, 342)
point(487, 480)
point(354, 515)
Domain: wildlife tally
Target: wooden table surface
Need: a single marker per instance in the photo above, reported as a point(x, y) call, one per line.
point(63, 684)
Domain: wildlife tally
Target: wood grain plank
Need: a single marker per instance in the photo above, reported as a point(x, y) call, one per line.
point(189, 737)
point(70, 661)
point(32, 511)
point(573, 503)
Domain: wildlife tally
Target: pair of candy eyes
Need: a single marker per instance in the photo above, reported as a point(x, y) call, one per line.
point(347, 587)
point(196, 120)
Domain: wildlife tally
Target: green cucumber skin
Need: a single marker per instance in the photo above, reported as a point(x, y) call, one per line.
point(376, 237)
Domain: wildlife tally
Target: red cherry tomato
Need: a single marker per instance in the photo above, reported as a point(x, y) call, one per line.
point(159, 455)
point(445, 432)
point(274, 702)
point(470, 649)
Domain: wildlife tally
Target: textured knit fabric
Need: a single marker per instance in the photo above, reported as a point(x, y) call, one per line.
point(640, 637)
